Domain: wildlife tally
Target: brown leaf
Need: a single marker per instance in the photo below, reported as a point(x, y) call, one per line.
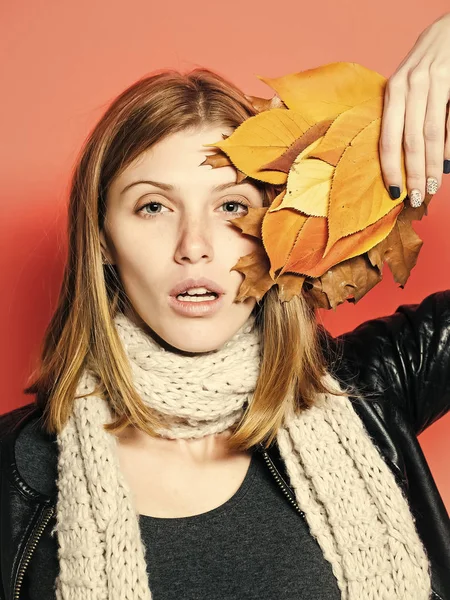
point(285, 161)
point(257, 281)
point(349, 280)
point(240, 176)
point(289, 285)
point(402, 246)
point(220, 159)
point(262, 104)
point(251, 223)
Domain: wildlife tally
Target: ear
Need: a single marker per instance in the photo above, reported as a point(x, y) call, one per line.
point(104, 247)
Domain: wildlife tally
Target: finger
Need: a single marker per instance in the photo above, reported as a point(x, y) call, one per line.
point(413, 140)
point(391, 136)
point(446, 168)
point(434, 134)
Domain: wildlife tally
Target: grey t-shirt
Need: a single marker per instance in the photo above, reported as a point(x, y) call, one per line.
point(255, 546)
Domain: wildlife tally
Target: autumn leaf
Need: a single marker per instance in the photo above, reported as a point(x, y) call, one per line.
point(304, 145)
point(358, 195)
point(327, 91)
point(307, 257)
point(262, 104)
point(261, 139)
point(257, 281)
point(251, 223)
point(345, 128)
point(289, 285)
point(349, 280)
point(333, 225)
point(401, 247)
point(279, 247)
point(308, 188)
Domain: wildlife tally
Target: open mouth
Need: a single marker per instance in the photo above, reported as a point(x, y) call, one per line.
point(197, 295)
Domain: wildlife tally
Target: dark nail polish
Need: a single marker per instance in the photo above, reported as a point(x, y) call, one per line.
point(446, 167)
point(394, 192)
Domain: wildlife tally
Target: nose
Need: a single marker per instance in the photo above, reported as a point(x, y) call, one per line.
point(194, 240)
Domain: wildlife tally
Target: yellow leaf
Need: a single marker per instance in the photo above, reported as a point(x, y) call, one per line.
point(262, 138)
point(327, 91)
point(308, 187)
point(302, 147)
point(358, 195)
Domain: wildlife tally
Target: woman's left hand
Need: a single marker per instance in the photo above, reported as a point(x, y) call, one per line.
point(415, 115)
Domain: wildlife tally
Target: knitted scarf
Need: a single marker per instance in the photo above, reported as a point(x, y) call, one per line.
point(352, 504)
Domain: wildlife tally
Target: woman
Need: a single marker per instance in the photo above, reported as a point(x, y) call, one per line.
point(232, 464)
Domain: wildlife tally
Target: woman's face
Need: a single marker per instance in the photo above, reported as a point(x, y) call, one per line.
point(168, 219)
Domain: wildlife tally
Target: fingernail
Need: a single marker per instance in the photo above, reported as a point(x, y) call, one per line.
point(415, 198)
point(432, 185)
point(446, 167)
point(394, 192)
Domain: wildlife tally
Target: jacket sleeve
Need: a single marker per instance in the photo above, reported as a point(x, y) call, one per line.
point(406, 354)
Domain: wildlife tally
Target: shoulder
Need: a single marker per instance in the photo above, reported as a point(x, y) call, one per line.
point(28, 454)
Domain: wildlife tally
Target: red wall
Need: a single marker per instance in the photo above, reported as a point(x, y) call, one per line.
point(62, 63)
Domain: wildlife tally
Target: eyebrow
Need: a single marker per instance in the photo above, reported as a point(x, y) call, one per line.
point(168, 187)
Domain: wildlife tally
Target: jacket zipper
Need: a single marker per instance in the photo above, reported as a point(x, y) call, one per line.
point(31, 546)
point(279, 480)
point(287, 493)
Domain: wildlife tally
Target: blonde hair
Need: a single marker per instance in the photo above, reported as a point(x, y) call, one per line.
point(82, 332)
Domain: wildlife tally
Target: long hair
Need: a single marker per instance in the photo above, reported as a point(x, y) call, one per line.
point(82, 333)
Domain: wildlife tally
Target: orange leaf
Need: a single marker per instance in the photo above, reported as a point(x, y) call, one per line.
point(358, 195)
point(279, 232)
point(327, 91)
point(307, 255)
point(261, 139)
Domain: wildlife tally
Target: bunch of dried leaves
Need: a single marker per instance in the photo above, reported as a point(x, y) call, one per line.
point(332, 225)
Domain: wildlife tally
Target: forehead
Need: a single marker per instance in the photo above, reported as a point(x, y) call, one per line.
point(177, 158)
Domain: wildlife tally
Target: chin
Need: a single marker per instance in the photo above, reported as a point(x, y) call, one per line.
point(199, 335)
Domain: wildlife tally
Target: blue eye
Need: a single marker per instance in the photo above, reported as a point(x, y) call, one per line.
point(236, 203)
point(149, 214)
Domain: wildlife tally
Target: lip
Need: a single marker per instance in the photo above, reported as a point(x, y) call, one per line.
point(195, 283)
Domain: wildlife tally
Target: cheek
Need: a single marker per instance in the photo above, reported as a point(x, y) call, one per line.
point(238, 244)
point(140, 259)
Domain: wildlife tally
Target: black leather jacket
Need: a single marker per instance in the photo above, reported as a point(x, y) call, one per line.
point(400, 364)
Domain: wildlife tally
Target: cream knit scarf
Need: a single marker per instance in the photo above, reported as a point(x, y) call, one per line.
point(351, 502)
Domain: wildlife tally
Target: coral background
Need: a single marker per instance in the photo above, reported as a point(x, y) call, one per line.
point(63, 62)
